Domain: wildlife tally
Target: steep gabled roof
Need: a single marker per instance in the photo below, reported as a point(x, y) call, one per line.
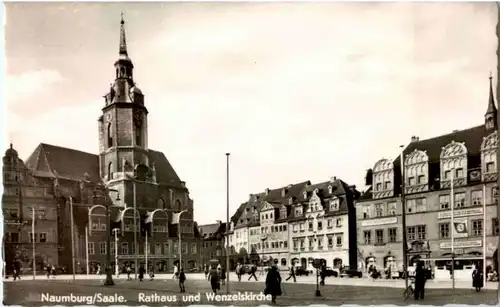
point(49, 160)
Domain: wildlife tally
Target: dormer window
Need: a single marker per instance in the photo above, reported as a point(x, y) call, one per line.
point(330, 189)
point(283, 212)
point(453, 159)
point(298, 211)
point(334, 204)
point(304, 194)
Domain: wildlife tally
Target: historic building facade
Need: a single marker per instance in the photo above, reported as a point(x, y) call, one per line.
point(323, 225)
point(275, 225)
point(459, 168)
point(126, 173)
point(213, 242)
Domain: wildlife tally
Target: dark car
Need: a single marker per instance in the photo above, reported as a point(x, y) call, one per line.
point(351, 273)
point(299, 271)
point(331, 272)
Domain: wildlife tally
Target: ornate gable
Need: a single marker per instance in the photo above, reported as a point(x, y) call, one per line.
point(266, 206)
point(315, 202)
point(489, 157)
point(416, 172)
point(453, 159)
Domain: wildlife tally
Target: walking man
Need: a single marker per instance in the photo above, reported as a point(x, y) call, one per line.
point(253, 269)
point(291, 274)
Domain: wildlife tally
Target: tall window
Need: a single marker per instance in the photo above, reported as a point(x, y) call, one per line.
point(193, 248)
point(444, 201)
point(42, 237)
point(109, 134)
point(157, 248)
point(366, 212)
point(166, 248)
point(494, 194)
point(411, 233)
point(392, 234)
point(368, 236)
point(477, 228)
point(494, 226)
point(138, 136)
point(91, 248)
point(421, 232)
point(460, 200)
point(102, 248)
point(477, 198)
point(379, 211)
point(124, 248)
point(444, 230)
point(110, 170)
point(391, 209)
point(339, 240)
point(184, 248)
point(379, 236)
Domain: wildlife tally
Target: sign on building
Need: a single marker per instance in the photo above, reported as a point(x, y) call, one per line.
point(461, 244)
point(460, 227)
point(460, 213)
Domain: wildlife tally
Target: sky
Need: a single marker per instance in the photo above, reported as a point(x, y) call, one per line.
point(294, 91)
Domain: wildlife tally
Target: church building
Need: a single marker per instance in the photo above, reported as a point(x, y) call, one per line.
point(126, 175)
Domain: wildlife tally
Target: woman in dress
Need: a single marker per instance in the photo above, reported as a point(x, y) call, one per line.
point(273, 283)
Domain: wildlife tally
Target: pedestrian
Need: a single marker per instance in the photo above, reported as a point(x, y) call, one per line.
point(322, 275)
point(223, 276)
point(129, 271)
point(15, 271)
point(48, 268)
point(151, 273)
point(239, 271)
point(206, 270)
point(477, 278)
point(98, 271)
point(141, 272)
point(253, 269)
point(273, 283)
point(182, 279)
point(53, 271)
point(291, 274)
point(420, 279)
point(176, 272)
point(214, 279)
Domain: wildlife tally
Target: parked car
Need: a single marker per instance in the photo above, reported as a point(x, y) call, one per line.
point(331, 272)
point(347, 272)
point(299, 271)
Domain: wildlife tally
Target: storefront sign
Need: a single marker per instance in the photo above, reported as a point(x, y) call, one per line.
point(461, 244)
point(131, 257)
point(460, 213)
point(378, 222)
point(460, 227)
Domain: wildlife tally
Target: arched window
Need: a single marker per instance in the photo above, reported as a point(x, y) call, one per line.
point(138, 137)
point(110, 170)
point(178, 204)
point(110, 135)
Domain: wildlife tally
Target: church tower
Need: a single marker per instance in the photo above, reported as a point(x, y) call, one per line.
point(490, 118)
point(123, 134)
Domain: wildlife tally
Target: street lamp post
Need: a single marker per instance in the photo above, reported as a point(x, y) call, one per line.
point(403, 217)
point(117, 269)
point(227, 222)
point(72, 238)
point(179, 233)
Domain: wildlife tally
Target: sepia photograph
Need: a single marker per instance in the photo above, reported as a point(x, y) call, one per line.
point(250, 153)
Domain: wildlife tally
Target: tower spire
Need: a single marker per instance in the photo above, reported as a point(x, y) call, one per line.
point(123, 41)
point(491, 112)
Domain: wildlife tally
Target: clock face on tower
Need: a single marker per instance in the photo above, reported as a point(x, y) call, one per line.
point(138, 118)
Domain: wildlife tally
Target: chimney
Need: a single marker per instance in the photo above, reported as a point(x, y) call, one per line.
point(267, 192)
point(414, 139)
point(219, 222)
point(290, 186)
point(251, 195)
point(284, 192)
point(332, 179)
point(455, 131)
point(183, 184)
